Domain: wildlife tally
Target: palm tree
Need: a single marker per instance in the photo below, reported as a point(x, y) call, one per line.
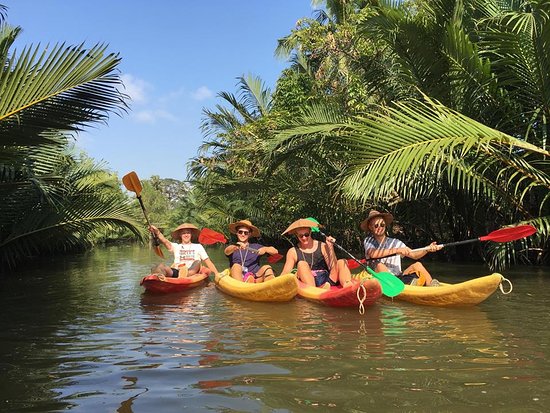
point(51, 200)
point(460, 125)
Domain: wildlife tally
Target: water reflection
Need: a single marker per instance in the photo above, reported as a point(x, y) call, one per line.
point(83, 336)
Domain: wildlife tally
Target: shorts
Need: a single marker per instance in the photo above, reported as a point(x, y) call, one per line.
point(322, 277)
point(407, 278)
point(248, 274)
point(175, 273)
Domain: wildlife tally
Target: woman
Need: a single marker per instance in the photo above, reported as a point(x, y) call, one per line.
point(384, 253)
point(315, 260)
point(244, 257)
point(187, 255)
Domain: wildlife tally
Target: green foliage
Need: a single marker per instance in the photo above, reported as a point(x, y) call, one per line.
point(54, 201)
point(433, 109)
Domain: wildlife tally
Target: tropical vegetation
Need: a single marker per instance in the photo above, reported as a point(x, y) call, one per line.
point(434, 110)
point(54, 199)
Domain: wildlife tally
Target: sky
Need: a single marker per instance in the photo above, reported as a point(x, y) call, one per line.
point(177, 55)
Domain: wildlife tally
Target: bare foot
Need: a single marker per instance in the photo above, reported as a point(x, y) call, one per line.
point(161, 277)
point(183, 271)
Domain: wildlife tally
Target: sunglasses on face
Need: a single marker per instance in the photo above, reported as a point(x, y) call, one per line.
point(382, 225)
point(243, 232)
point(304, 235)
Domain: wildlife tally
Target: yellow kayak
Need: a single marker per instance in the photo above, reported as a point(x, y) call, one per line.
point(282, 288)
point(466, 293)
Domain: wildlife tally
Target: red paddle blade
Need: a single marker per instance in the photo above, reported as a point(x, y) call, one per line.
point(159, 252)
point(272, 259)
point(352, 264)
point(509, 234)
point(208, 236)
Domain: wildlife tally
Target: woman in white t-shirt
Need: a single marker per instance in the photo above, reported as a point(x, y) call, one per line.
point(188, 256)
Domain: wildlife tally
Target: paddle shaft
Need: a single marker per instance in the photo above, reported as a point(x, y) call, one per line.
point(349, 253)
point(449, 244)
point(499, 235)
point(132, 183)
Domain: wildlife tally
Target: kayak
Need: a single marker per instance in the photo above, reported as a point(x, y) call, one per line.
point(347, 296)
point(282, 288)
point(153, 284)
point(463, 294)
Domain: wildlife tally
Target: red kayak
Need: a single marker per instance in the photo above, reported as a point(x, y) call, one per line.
point(154, 284)
point(343, 297)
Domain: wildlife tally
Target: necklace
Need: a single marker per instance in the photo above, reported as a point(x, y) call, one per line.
point(304, 257)
point(245, 269)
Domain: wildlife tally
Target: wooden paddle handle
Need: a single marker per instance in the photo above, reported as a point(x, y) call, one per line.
point(156, 239)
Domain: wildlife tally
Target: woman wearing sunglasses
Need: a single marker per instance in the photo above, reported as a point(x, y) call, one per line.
point(384, 253)
point(315, 261)
point(244, 257)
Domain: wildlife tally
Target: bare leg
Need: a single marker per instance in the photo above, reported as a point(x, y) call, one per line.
point(264, 274)
point(194, 268)
point(344, 274)
point(304, 273)
point(421, 271)
point(237, 272)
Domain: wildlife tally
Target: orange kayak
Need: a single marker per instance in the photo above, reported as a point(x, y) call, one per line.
point(153, 284)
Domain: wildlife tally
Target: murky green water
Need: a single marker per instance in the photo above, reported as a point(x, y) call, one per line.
point(80, 335)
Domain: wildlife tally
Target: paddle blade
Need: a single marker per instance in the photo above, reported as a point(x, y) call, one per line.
point(132, 182)
point(158, 251)
point(208, 236)
point(314, 229)
point(352, 264)
point(391, 285)
point(509, 234)
point(272, 259)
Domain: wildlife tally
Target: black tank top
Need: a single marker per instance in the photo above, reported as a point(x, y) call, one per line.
point(315, 259)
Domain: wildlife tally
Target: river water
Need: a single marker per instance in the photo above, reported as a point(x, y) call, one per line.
point(80, 335)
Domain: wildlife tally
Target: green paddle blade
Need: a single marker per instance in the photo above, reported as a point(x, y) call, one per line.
point(391, 285)
point(314, 229)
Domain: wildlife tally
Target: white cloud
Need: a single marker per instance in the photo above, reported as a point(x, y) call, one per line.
point(135, 88)
point(152, 116)
point(202, 93)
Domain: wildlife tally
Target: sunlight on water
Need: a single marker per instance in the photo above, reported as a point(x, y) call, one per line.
point(83, 336)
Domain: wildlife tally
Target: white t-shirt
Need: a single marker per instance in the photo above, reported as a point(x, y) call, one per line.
point(188, 253)
point(393, 263)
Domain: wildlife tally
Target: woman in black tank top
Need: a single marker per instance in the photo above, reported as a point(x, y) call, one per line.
point(315, 261)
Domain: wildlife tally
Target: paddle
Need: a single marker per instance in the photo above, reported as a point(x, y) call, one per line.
point(499, 235)
point(352, 264)
point(208, 236)
point(132, 183)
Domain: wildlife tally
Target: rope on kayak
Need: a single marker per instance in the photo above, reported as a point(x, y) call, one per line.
point(221, 275)
point(501, 286)
point(361, 296)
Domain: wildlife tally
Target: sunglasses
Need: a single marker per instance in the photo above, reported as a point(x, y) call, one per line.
point(304, 235)
point(243, 232)
point(382, 225)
